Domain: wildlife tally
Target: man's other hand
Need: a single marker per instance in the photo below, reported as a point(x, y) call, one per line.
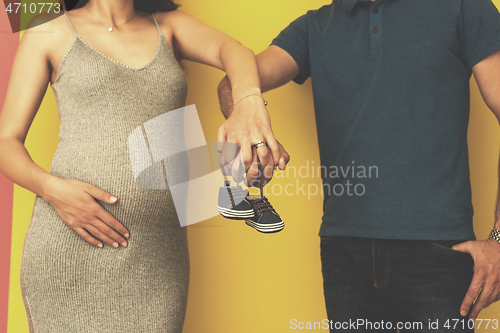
point(486, 279)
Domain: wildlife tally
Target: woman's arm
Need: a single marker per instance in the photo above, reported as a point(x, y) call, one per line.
point(276, 68)
point(199, 42)
point(73, 200)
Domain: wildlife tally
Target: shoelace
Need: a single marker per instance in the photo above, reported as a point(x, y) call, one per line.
point(263, 205)
point(236, 194)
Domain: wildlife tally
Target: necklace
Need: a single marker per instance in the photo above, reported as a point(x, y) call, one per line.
point(111, 27)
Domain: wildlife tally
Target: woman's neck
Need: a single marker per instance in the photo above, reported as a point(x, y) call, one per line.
point(112, 12)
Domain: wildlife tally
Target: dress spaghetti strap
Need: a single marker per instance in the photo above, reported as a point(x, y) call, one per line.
point(71, 25)
point(156, 22)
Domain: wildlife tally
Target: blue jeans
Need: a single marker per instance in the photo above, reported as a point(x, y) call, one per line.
point(378, 285)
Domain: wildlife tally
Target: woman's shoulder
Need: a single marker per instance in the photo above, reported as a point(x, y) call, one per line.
point(47, 22)
point(176, 20)
point(171, 17)
point(47, 30)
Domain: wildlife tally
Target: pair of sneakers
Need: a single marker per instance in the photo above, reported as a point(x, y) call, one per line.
point(258, 213)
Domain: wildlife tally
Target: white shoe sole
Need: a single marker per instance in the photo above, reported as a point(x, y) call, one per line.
point(266, 228)
point(231, 213)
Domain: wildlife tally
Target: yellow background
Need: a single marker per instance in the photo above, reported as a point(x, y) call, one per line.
point(243, 281)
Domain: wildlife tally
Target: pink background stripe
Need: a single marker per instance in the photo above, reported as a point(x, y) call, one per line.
point(8, 46)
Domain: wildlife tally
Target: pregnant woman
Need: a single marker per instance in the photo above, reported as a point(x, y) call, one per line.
point(103, 254)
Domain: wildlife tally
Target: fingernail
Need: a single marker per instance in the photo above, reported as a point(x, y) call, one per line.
point(115, 244)
point(124, 244)
point(113, 199)
point(127, 235)
point(100, 245)
point(463, 313)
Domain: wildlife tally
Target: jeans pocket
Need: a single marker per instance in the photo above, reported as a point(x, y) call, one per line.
point(445, 247)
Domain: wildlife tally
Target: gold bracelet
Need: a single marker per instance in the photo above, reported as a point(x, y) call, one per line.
point(265, 103)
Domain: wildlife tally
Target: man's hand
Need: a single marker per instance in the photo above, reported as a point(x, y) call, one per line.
point(486, 279)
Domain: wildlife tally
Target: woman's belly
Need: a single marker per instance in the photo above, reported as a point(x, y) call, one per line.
point(108, 167)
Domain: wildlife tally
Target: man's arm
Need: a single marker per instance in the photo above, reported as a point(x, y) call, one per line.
point(276, 68)
point(486, 253)
point(487, 74)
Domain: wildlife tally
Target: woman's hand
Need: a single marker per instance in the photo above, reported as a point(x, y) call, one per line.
point(248, 124)
point(75, 202)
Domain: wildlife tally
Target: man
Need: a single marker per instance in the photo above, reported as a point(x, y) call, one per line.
point(390, 83)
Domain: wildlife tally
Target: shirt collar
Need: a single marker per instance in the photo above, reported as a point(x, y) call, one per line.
point(350, 4)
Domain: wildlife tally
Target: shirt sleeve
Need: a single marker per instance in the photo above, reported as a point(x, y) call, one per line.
point(479, 30)
point(294, 39)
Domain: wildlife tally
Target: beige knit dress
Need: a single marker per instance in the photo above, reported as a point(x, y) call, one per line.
point(69, 285)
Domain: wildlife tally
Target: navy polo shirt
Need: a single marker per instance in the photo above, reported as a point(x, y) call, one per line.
point(390, 82)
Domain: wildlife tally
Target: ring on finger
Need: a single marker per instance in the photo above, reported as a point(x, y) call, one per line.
point(260, 144)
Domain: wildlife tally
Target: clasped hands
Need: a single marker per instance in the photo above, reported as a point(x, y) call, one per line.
point(262, 164)
point(238, 142)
